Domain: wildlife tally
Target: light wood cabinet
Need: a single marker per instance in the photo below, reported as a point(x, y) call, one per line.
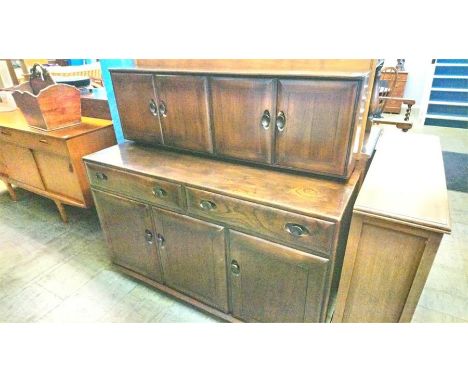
point(137, 106)
point(49, 163)
point(193, 257)
point(242, 117)
point(317, 124)
point(130, 233)
point(273, 283)
point(183, 111)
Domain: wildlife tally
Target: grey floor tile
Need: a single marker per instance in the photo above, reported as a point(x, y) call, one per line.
point(425, 315)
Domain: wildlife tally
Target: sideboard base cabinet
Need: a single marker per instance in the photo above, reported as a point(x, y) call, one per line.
point(243, 243)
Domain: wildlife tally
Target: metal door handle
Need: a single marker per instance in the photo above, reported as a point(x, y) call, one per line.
point(207, 205)
point(148, 236)
point(235, 268)
point(153, 108)
point(101, 176)
point(159, 192)
point(160, 239)
point(162, 109)
point(266, 118)
point(280, 121)
point(296, 229)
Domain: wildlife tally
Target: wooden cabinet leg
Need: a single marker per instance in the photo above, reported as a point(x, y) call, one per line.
point(10, 190)
point(61, 209)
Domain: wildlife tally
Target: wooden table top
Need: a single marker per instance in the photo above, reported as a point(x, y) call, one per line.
point(406, 182)
point(15, 120)
point(308, 195)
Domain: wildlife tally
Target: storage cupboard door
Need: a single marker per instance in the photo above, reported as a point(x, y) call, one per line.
point(129, 231)
point(314, 123)
point(183, 111)
point(243, 117)
point(273, 283)
point(21, 165)
point(193, 257)
point(58, 175)
point(136, 102)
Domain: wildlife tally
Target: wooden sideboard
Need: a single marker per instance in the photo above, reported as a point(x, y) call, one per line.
point(49, 163)
point(243, 243)
point(303, 121)
point(399, 218)
point(394, 106)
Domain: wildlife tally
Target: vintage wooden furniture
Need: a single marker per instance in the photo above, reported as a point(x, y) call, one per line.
point(241, 242)
point(397, 82)
point(399, 218)
point(301, 120)
point(94, 104)
point(49, 163)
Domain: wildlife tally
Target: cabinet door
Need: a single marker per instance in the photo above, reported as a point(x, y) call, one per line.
point(136, 102)
point(239, 105)
point(274, 283)
point(318, 119)
point(129, 231)
point(193, 257)
point(20, 165)
point(183, 111)
point(58, 175)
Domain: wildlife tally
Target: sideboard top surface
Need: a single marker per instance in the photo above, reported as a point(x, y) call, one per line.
point(15, 120)
point(316, 197)
point(406, 182)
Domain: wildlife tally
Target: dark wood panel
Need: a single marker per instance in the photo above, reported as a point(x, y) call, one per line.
point(130, 234)
point(184, 111)
point(238, 107)
point(318, 122)
point(274, 283)
point(134, 92)
point(193, 257)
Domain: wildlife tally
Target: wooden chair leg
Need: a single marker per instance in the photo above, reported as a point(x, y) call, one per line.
point(61, 209)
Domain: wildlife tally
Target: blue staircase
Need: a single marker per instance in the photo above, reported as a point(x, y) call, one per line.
point(448, 102)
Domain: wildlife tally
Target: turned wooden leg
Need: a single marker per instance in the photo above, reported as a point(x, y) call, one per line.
point(408, 112)
point(62, 212)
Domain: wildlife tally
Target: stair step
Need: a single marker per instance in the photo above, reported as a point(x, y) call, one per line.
point(449, 90)
point(457, 77)
point(449, 103)
point(452, 60)
point(449, 117)
point(450, 82)
point(451, 64)
point(447, 109)
point(446, 123)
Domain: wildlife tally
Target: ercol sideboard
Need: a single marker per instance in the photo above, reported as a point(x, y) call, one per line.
point(49, 163)
point(237, 190)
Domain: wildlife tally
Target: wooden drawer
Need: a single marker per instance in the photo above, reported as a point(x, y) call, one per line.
point(34, 141)
point(291, 228)
point(153, 191)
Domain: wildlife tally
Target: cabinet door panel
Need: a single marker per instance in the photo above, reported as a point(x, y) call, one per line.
point(184, 115)
point(128, 228)
point(274, 283)
point(193, 257)
point(20, 165)
point(319, 118)
point(58, 175)
point(133, 93)
point(238, 106)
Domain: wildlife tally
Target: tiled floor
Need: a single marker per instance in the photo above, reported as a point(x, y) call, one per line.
point(55, 272)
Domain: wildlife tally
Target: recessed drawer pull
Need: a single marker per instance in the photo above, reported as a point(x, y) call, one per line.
point(6, 133)
point(153, 108)
point(207, 205)
point(43, 141)
point(296, 229)
point(160, 239)
point(148, 236)
point(162, 109)
point(159, 192)
point(235, 268)
point(280, 121)
point(101, 176)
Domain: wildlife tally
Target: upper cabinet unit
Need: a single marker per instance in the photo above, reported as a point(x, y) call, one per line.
point(302, 123)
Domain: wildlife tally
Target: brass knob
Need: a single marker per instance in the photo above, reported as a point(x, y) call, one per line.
point(266, 118)
point(296, 229)
point(159, 192)
point(207, 205)
point(162, 109)
point(101, 176)
point(148, 236)
point(153, 108)
point(280, 121)
point(235, 268)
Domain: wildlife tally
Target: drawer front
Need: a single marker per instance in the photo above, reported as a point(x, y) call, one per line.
point(291, 228)
point(34, 141)
point(154, 191)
